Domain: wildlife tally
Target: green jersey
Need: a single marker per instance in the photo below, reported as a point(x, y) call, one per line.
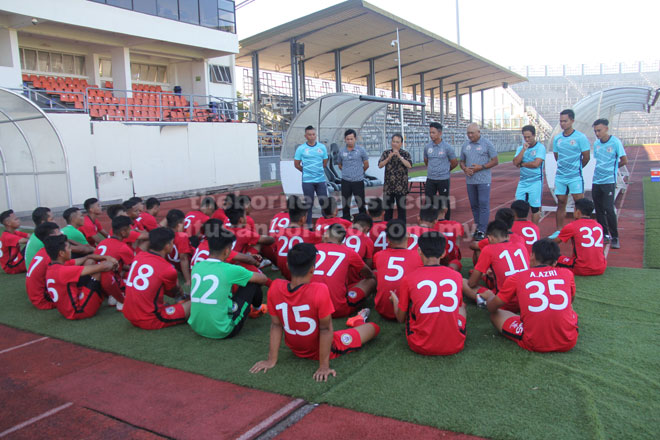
point(213, 312)
point(74, 235)
point(33, 246)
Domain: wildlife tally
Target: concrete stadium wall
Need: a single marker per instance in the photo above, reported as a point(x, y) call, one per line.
point(146, 160)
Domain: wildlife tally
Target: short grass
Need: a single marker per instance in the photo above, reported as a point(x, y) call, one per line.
point(606, 387)
point(651, 223)
point(503, 157)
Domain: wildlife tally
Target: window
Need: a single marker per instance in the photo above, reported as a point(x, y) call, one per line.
point(220, 74)
point(146, 6)
point(168, 9)
point(188, 11)
point(208, 13)
point(126, 4)
point(52, 62)
point(105, 68)
point(148, 73)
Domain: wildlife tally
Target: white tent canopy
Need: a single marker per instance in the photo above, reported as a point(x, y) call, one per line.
point(35, 169)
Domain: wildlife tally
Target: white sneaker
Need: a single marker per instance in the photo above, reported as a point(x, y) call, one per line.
point(481, 303)
point(265, 263)
point(120, 306)
point(274, 268)
point(112, 301)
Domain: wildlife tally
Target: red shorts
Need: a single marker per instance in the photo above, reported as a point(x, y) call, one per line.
point(566, 262)
point(90, 298)
point(457, 263)
point(513, 329)
point(166, 316)
point(354, 295)
point(15, 267)
point(345, 341)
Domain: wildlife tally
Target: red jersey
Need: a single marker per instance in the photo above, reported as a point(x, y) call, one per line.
point(280, 221)
point(202, 253)
point(505, 258)
point(360, 243)
point(193, 222)
point(414, 232)
point(133, 236)
point(62, 287)
point(146, 222)
point(588, 249)
point(288, 238)
point(528, 231)
point(431, 296)
point(324, 223)
point(118, 250)
point(333, 264)
point(11, 259)
point(300, 311)
point(149, 278)
point(513, 238)
point(220, 215)
point(90, 228)
point(245, 239)
point(545, 295)
point(181, 246)
point(452, 230)
point(35, 281)
point(391, 265)
point(378, 236)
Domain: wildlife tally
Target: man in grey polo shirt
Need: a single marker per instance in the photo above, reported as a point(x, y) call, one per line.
point(353, 161)
point(440, 159)
point(478, 156)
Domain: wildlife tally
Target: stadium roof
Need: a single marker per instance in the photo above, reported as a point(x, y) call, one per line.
point(363, 32)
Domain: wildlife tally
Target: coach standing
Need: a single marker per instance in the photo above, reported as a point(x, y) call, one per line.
point(610, 156)
point(478, 156)
point(571, 150)
point(353, 161)
point(440, 159)
point(311, 159)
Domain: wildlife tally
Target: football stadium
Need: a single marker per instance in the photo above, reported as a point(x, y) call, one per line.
point(452, 242)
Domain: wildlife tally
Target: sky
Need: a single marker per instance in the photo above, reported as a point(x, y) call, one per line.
point(507, 32)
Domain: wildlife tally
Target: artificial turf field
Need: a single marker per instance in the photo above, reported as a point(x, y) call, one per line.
point(606, 387)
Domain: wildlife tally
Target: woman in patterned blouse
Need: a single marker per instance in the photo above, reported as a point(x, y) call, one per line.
point(396, 162)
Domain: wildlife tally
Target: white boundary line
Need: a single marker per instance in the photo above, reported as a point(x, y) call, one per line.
point(35, 419)
point(22, 345)
point(264, 424)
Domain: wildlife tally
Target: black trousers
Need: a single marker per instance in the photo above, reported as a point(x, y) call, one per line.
point(603, 195)
point(441, 187)
point(390, 200)
point(247, 296)
point(348, 190)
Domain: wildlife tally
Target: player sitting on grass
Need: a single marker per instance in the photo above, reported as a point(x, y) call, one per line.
point(215, 311)
point(91, 227)
point(248, 241)
point(115, 246)
point(137, 239)
point(430, 302)
point(12, 258)
point(147, 219)
point(214, 228)
point(523, 227)
point(391, 265)
point(508, 217)
point(377, 232)
point(39, 215)
point(357, 238)
point(544, 294)
point(453, 232)
point(501, 257)
point(73, 285)
point(194, 220)
point(181, 250)
point(329, 210)
point(302, 310)
point(150, 277)
point(35, 279)
point(74, 220)
point(428, 216)
point(334, 262)
point(297, 232)
point(587, 236)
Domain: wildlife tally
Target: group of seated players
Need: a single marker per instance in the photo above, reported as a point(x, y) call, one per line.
point(413, 273)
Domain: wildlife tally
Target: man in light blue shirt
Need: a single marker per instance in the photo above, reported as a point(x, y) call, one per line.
point(478, 156)
point(571, 150)
point(353, 161)
point(610, 156)
point(311, 159)
point(529, 158)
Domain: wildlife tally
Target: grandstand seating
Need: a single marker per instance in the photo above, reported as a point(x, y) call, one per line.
point(148, 102)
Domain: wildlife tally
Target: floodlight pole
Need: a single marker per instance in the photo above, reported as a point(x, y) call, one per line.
point(398, 52)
